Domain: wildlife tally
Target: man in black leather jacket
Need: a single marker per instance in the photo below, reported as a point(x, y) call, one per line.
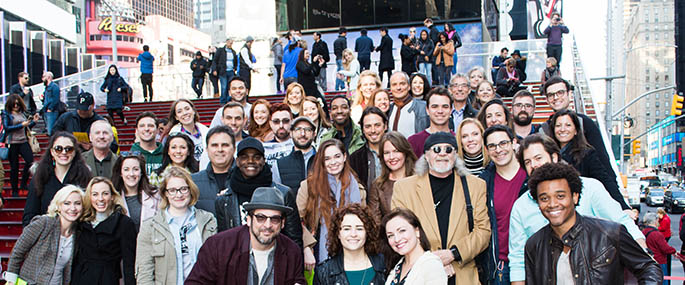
point(248, 174)
point(578, 249)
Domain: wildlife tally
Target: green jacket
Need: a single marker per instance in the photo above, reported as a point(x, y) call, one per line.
point(153, 160)
point(356, 142)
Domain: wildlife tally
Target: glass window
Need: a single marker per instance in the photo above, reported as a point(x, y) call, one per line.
point(657, 113)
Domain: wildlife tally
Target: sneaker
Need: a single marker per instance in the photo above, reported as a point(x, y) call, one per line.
point(126, 108)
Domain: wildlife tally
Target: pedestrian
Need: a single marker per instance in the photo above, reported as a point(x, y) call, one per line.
point(224, 64)
point(51, 105)
point(339, 45)
point(16, 126)
point(453, 35)
point(656, 243)
point(22, 88)
point(444, 49)
point(247, 62)
point(115, 86)
point(199, 67)
point(277, 54)
point(350, 71)
point(408, 54)
point(291, 55)
point(554, 34)
point(146, 58)
point(425, 60)
point(387, 62)
point(433, 35)
point(498, 62)
point(320, 48)
point(664, 223)
point(308, 73)
point(212, 77)
point(551, 70)
point(364, 46)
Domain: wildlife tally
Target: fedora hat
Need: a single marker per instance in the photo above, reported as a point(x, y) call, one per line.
point(267, 198)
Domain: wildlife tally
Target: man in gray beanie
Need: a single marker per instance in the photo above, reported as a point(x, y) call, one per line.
point(246, 62)
point(450, 204)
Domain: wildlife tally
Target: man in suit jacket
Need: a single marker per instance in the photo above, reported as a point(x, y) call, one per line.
point(458, 230)
point(387, 63)
point(224, 64)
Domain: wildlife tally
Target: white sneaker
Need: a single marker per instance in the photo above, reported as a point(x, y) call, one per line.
point(126, 108)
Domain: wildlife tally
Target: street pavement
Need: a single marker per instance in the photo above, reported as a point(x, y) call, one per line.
point(675, 242)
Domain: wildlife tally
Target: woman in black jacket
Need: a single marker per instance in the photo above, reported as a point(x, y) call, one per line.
point(59, 166)
point(307, 73)
point(408, 54)
point(355, 257)
point(106, 240)
point(425, 60)
point(568, 134)
point(115, 87)
point(16, 125)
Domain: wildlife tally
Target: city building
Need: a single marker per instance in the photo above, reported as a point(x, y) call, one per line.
point(203, 15)
point(180, 11)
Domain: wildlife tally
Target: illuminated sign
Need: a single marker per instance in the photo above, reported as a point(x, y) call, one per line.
point(106, 25)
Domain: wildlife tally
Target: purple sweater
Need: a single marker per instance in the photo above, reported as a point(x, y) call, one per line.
point(554, 34)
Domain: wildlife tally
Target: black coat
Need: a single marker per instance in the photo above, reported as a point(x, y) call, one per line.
point(433, 33)
point(321, 48)
point(339, 45)
point(332, 271)
point(361, 163)
point(427, 48)
point(28, 98)
point(37, 205)
point(199, 67)
point(591, 167)
point(219, 61)
point(71, 122)
point(115, 98)
point(292, 169)
point(387, 60)
point(306, 76)
point(363, 46)
point(206, 182)
point(408, 56)
point(102, 249)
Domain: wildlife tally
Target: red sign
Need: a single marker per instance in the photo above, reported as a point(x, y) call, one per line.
point(106, 25)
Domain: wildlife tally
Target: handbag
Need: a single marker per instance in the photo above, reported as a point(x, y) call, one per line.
point(4, 151)
point(33, 142)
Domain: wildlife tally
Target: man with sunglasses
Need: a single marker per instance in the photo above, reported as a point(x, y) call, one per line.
point(292, 169)
point(523, 109)
point(255, 253)
point(251, 172)
point(280, 122)
point(440, 186)
point(506, 180)
point(22, 88)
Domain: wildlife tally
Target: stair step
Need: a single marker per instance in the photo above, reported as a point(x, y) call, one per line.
point(11, 214)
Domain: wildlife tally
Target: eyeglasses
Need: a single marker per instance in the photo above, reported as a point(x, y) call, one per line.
point(557, 94)
point(280, 121)
point(275, 220)
point(182, 190)
point(305, 129)
point(63, 149)
point(129, 153)
point(526, 106)
point(502, 145)
point(437, 150)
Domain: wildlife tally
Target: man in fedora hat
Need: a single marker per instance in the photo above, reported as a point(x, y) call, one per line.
point(255, 253)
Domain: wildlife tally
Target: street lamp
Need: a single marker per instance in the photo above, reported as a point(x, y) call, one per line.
point(113, 16)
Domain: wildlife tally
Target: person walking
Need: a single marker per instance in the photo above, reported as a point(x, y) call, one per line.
point(339, 45)
point(199, 68)
point(387, 63)
point(146, 58)
point(16, 126)
point(115, 87)
point(363, 45)
point(277, 53)
point(246, 62)
point(320, 48)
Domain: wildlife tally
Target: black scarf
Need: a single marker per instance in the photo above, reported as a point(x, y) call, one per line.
point(550, 72)
point(244, 187)
point(346, 134)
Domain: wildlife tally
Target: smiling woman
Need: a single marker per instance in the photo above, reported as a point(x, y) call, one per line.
point(183, 118)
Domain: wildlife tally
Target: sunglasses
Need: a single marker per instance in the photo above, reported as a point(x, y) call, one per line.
point(63, 149)
point(275, 220)
point(437, 150)
point(129, 153)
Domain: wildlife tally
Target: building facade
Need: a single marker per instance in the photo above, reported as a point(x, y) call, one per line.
point(180, 11)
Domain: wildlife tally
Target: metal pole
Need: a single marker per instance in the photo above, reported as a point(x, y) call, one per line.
point(657, 125)
point(623, 135)
point(609, 61)
point(114, 37)
point(618, 112)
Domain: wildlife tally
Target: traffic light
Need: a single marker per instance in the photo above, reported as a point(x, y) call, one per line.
point(637, 147)
point(677, 105)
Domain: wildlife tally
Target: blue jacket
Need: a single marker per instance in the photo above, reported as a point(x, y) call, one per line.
point(290, 60)
point(363, 46)
point(526, 219)
point(146, 60)
point(51, 97)
point(115, 99)
point(9, 128)
point(490, 255)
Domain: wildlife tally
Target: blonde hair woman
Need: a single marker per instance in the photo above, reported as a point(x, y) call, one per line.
point(350, 71)
point(471, 146)
point(294, 96)
point(106, 235)
point(368, 82)
point(33, 256)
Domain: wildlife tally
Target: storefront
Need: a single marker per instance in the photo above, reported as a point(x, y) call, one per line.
point(99, 40)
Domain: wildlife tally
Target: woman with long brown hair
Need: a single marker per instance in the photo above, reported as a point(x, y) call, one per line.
point(184, 118)
point(141, 199)
point(331, 184)
point(311, 108)
point(259, 121)
point(16, 126)
point(397, 161)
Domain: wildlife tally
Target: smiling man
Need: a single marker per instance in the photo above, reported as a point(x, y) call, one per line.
point(100, 159)
point(237, 89)
point(523, 109)
point(251, 172)
point(256, 253)
point(147, 145)
point(213, 179)
point(579, 249)
point(292, 169)
point(506, 181)
point(409, 115)
point(438, 107)
point(365, 161)
point(343, 128)
point(438, 189)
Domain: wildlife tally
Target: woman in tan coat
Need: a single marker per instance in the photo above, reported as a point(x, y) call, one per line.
point(169, 242)
point(443, 52)
point(332, 184)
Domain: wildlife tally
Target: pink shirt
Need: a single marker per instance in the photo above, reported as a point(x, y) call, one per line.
point(505, 194)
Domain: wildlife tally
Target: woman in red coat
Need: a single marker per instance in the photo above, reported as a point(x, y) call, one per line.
point(664, 223)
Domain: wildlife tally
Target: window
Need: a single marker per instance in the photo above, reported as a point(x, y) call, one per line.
point(656, 96)
point(657, 113)
point(647, 105)
point(656, 104)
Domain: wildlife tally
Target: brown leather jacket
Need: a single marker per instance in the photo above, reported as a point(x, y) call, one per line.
point(600, 250)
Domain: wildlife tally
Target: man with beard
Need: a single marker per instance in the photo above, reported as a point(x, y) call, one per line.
point(291, 170)
point(408, 116)
point(23, 90)
point(506, 180)
point(459, 88)
point(255, 253)
point(343, 128)
point(213, 179)
point(237, 89)
point(450, 204)
point(147, 145)
point(366, 160)
point(523, 108)
point(100, 159)
point(51, 102)
point(579, 249)
point(280, 122)
point(249, 174)
point(438, 107)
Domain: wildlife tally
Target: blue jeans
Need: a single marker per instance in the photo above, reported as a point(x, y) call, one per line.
point(664, 269)
point(425, 69)
point(50, 119)
point(339, 83)
point(454, 67)
point(197, 84)
point(224, 86)
point(502, 273)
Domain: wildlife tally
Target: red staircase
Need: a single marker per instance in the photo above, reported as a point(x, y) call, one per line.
point(11, 214)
